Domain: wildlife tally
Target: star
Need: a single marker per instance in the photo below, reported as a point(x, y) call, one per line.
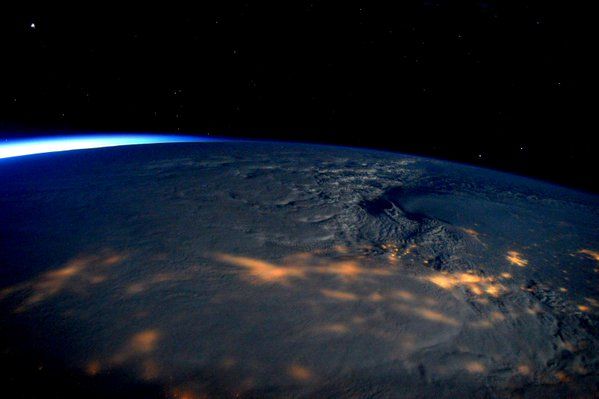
point(32, 26)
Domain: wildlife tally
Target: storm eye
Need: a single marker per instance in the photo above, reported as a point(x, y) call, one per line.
point(20, 147)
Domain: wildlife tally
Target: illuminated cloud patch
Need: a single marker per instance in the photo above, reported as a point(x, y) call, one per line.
point(19, 147)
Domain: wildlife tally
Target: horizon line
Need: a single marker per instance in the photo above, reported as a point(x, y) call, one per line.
point(18, 147)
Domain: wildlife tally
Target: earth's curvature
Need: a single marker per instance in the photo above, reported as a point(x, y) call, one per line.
point(287, 270)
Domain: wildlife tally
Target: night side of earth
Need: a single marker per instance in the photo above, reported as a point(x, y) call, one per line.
point(259, 270)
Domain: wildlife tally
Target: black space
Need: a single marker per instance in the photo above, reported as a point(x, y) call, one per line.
point(495, 83)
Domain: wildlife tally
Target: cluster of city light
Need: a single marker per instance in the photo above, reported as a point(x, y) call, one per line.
point(19, 147)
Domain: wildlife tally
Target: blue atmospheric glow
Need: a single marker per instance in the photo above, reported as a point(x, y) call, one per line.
point(20, 147)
